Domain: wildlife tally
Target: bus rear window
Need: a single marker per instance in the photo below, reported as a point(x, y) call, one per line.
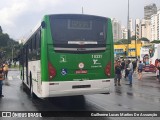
point(81, 30)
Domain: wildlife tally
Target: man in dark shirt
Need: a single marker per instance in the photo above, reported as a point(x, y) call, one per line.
point(126, 71)
point(134, 65)
point(118, 74)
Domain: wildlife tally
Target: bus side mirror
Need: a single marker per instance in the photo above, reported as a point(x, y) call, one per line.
point(43, 24)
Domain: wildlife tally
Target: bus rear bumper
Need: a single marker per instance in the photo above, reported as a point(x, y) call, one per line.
point(71, 88)
point(78, 92)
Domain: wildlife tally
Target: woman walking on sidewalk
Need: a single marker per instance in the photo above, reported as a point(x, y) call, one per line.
point(140, 69)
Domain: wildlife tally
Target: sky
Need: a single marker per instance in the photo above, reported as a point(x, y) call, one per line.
point(19, 17)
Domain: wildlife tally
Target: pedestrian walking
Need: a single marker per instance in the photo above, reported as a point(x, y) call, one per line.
point(1, 81)
point(118, 74)
point(157, 74)
point(140, 69)
point(130, 69)
point(5, 70)
point(134, 65)
point(126, 71)
point(123, 67)
point(156, 62)
point(158, 67)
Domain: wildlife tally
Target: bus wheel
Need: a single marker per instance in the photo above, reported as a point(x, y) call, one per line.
point(31, 92)
point(23, 86)
point(33, 96)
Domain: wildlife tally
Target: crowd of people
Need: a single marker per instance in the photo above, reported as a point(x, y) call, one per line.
point(3, 76)
point(126, 68)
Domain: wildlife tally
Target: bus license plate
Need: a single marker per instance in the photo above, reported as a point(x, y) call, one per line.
point(81, 71)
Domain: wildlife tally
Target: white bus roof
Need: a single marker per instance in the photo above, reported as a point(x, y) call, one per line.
point(31, 32)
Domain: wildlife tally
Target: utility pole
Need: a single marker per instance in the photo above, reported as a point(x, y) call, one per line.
point(82, 9)
point(12, 53)
point(135, 39)
point(128, 30)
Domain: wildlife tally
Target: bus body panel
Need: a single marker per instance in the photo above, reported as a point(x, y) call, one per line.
point(76, 73)
point(68, 70)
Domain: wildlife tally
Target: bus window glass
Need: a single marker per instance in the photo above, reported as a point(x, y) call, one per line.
point(69, 30)
point(38, 44)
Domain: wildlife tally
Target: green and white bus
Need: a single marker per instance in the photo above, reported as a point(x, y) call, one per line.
point(68, 54)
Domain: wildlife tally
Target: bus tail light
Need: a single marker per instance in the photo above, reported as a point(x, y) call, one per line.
point(108, 69)
point(51, 70)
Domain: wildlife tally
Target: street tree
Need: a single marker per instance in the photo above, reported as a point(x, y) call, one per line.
point(144, 39)
point(1, 30)
point(7, 44)
point(155, 41)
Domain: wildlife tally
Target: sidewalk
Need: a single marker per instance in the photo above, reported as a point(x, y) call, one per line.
point(13, 74)
point(148, 77)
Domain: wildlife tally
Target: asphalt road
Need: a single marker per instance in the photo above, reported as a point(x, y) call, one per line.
point(141, 96)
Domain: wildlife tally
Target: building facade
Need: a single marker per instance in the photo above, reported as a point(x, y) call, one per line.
point(149, 10)
point(155, 26)
point(143, 29)
point(116, 27)
point(133, 49)
point(124, 33)
point(158, 25)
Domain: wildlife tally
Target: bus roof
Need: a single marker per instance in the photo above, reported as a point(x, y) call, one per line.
point(31, 32)
point(77, 15)
point(60, 16)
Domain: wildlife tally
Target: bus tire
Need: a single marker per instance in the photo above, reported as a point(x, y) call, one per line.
point(23, 84)
point(32, 95)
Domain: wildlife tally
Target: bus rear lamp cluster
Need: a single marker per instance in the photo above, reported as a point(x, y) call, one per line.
point(108, 69)
point(51, 70)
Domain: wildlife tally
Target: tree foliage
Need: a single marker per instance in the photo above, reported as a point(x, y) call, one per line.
point(7, 45)
point(144, 39)
point(1, 30)
point(133, 37)
point(122, 41)
point(155, 41)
